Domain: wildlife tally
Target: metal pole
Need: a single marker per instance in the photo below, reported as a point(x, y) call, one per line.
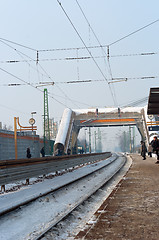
point(89, 140)
point(124, 141)
point(95, 144)
point(85, 141)
point(130, 138)
point(15, 137)
point(133, 139)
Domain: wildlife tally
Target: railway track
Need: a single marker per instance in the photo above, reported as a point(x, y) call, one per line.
point(21, 169)
point(46, 211)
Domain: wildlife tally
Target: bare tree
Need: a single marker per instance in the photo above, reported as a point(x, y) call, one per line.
point(5, 127)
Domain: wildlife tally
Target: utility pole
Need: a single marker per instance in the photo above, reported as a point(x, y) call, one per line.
point(47, 146)
point(95, 142)
point(133, 139)
point(85, 141)
point(15, 137)
point(99, 141)
point(124, 141)
point(130, 138)
point(89, 140)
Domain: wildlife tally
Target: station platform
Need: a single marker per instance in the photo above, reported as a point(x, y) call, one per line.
point(131, 212)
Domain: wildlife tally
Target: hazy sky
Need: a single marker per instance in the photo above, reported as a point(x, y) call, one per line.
point(43, 25)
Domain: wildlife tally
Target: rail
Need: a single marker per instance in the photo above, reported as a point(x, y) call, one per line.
point(21, 169)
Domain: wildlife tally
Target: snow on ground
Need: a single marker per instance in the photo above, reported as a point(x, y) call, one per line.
point(24, 194)
point(45, 210)
point(84, 214)
point(108, 110)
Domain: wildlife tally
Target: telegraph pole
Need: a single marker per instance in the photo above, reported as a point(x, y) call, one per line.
point(95, 142)
point(89, 140)
point(47, 146)
point(124, 141)
point(130, 138)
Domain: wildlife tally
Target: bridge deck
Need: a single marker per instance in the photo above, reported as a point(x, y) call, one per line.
point(132, 210)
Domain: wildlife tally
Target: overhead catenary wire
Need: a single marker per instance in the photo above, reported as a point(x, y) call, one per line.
point(46, 74)
point(35, 87)
point(29, 84)
point(103, 51)
point(85, 47)
point(114, 80)
point(134, 32)
point(76, 58)
point(75, 48)
point(18, 44)
point(88, 47)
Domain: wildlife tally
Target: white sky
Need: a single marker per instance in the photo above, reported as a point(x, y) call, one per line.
point(43, 25)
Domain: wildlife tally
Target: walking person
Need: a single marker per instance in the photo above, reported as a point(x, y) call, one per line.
point(155, 146)
point(143, 150)
point(28, 153)
point(150, 150)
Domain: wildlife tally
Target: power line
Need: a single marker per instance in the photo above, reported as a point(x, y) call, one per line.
point(85, 45)
point(137, 102)
point(18, 44)
point(29, 84)
point(135, 54)
point(12, 109)
point(71, 48)
point(105, 45)
point(130, 34)
point(112, 80)
point(103, 51)
point(78, 58)
point(88, 23)
point(19, 53)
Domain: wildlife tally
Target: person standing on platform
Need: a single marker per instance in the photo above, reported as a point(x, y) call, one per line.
point(42, 152)
point(150, 149)
point(143, 150)
point(155, 146)
point(28, 153)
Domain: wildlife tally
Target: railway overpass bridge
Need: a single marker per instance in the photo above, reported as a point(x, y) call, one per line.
point(73, 120)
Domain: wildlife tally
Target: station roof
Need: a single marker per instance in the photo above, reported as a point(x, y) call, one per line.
point(153, 102)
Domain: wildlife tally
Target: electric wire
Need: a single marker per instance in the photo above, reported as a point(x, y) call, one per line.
point(78, 58)
point(83, 81)
point(46, 74)
point(85, 46)
point(18, 44)
point(29, 84)
point(134, 32)
point(71, 48)
point(13, 109)
point(110, 80)
point(103, 51)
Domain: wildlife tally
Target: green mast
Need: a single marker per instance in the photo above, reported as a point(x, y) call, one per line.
point(47, 145)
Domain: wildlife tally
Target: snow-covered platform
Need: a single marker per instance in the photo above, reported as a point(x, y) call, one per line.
point(132, 209)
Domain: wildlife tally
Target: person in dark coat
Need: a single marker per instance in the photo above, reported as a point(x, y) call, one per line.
point(143, 150)
point(68, 151)
point(28, 153)
point(150, 150)
point(155, 146)
point(42, 152)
